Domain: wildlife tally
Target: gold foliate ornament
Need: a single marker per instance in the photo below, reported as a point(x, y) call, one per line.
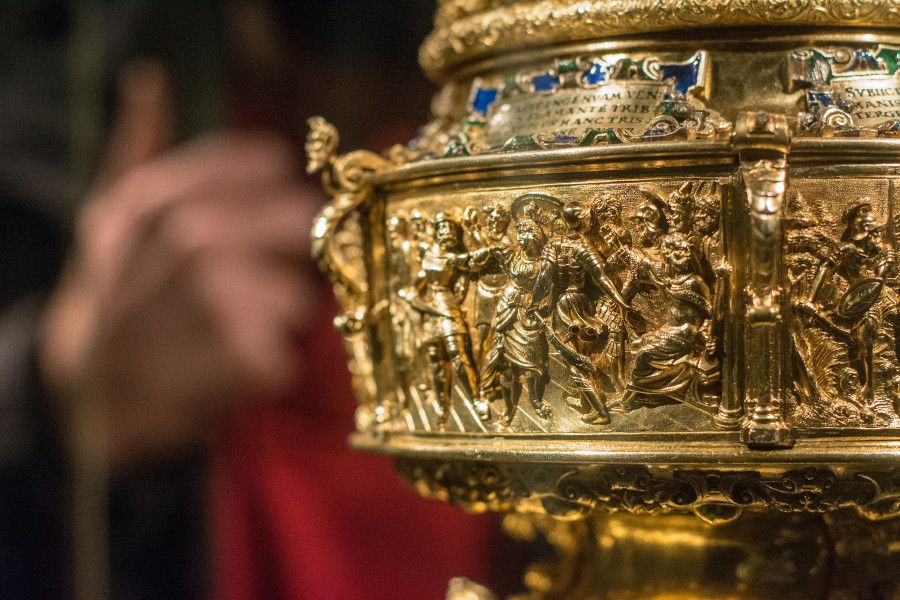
point(641, 293)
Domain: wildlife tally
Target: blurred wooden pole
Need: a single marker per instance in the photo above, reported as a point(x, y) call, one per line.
point(89, 496)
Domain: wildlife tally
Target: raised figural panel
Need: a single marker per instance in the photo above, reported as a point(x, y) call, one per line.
point(841, 264)
point(580, 309)
point(607, 307)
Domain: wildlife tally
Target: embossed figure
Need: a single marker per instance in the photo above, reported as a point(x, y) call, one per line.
point(713, 266)
point(572, 280)
point(404, 265)
point(440, 290)
point(651, 222)
point(650, 227)
point(614, 242)
point(667, 361)
point(490, 284)
point(608, 233)
point(696, 217)
point(518, 349)
point(808, 246)
point(865, 305)
point(681, 210)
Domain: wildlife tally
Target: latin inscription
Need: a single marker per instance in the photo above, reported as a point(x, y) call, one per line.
point(875, 100)
point(629, 106)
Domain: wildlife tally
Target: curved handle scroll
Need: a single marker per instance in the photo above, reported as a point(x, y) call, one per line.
point(329, 256)
point(345, 180)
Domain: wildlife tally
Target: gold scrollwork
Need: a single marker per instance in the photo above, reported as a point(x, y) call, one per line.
point(468, 30)
point(334, 241)
point(849, 91)
point(573, 491)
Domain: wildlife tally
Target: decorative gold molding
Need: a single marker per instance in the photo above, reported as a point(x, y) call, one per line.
point(467, 30)
point(836, 556)
point(573, 491)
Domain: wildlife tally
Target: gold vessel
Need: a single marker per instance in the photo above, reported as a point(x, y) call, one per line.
point(635, 286)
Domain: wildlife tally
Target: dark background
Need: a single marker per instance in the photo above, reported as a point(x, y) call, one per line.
point(239, 63)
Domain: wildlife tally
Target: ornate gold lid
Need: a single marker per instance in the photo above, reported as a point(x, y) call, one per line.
point(468, 30)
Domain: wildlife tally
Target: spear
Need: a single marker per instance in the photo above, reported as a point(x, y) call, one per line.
point(891, 230)
point(891, 224)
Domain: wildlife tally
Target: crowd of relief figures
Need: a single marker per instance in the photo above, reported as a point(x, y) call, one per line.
point(607, 312)
point(544, 315)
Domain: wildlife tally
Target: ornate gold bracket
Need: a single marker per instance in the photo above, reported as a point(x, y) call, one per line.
point(762, 142)
point(345, 179)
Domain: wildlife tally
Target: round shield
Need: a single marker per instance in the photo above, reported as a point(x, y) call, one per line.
point(860, 297)
point(523, 205)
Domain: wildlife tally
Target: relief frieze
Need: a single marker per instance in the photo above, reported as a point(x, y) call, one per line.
point(540, 312)
point(605, 309)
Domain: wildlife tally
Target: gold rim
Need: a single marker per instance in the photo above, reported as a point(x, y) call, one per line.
point(622, 157)
point(871, 451)
point(672, 42)
point(503, 29)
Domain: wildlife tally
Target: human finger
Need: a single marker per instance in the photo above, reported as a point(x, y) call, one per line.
point(145, 122)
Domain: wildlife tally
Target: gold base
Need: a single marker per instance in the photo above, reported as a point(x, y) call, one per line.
point(678, 557)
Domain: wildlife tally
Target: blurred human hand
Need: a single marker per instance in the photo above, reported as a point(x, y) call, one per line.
point(188, 284)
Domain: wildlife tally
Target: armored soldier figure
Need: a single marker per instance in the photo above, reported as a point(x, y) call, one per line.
point(571, 281)
point(651, 226)
point(614, 242)
point(651, 221)
point(863, 263)
point(440, 290)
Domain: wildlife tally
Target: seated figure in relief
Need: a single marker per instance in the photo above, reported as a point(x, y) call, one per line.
point(668, 360)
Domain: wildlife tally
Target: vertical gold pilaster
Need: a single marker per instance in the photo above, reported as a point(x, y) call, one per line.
point(762, 142)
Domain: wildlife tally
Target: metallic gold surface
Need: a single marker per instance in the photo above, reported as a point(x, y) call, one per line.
point(470, 29)
point(758, 557)
point(653, 278)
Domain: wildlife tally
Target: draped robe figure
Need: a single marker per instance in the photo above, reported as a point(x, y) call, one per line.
point(490, 284)
point(518, 346)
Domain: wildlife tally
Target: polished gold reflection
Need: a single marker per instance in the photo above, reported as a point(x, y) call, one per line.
point(641, 294)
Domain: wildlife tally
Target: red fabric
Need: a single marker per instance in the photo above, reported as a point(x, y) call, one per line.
point(299, 515)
